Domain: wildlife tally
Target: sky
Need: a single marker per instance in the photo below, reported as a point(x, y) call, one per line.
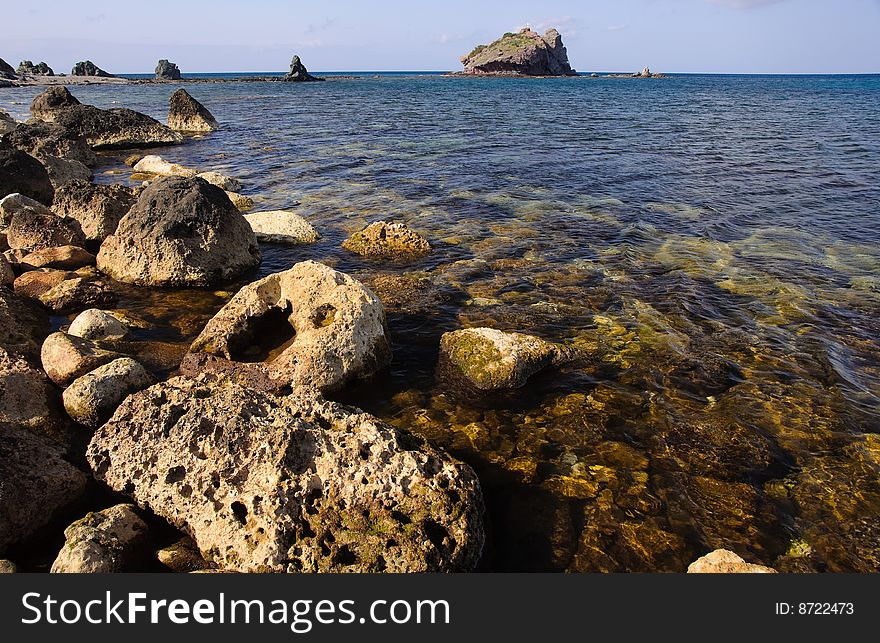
point(714, 36)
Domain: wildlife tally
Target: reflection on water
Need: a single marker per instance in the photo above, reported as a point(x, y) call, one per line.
point(711, 243)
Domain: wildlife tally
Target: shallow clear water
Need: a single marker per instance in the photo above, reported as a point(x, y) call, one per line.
point(710, 241)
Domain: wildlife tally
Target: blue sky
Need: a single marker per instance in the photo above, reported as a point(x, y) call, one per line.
point(725, 36)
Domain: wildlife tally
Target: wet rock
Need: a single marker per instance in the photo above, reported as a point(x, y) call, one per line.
point(182, 557)
point(722, 561)
point(166, 70)
point(387, 240)
point(27, 68)
point(180, 231)
point(280, 226)
point(58, 258)
point(35, 283)
point(77, 294)
point(521, 54)
point(186, 114)
point(155, 165)
point(97, 208)
point(103, 542)
point(36, 485)
point(312, 325)
point(98, 325)
point(241, 201)
point(298, 72)
point(66, 358)
point(31, 229)
point(8, 567)
point(27, 398)
point(22, 173)
point(88, 68)
point(492, 359)
point(46, 105)
point(92, 398)
point(289, 484)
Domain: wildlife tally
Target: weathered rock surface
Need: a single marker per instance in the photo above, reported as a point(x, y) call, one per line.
point(310, 325)
point(7, 123)
point(12, 203)
point(27, 398)
point(155, 165)
point(92, 398)
point(97, 208)
point(49, 103)
point(8, 567)
point(281, 226)
point(388, 241)
point(76, 294)
point(166, 70)
point(88, 68)
point(289, 484)
point(492, 359)
point(182, 557)
point(298, 72)
point(58, 258)
point(36, 485)
point(180, 231)
point(521, 54)
point(7, 274)
point(27, 68)
point(47, 141)
point(23, 326)
point(722, 561)
point(6, 70)
point(186, 114)
point(103, 542)
point(242, 202)
point(35, 283)
point(31, 229)
point(22, 173)
point(66, 358)
point(98, 325)
point(226, 183)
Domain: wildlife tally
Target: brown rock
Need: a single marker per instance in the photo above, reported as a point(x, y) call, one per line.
point(58, 258)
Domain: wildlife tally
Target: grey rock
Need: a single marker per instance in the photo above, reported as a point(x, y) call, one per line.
point(23, 326)
point(22, 173)
point(88, 68)
point(298, 72)
point(522, 54)
point(48, 103)
point(98, 325)
point(97, 208)
point(281, 226)
point(31, 229)
point(27, 68)
point(6, 70)
point(103, 542)
point(167, 71)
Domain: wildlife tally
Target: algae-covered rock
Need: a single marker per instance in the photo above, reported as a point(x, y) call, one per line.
point(92, 398)
point(107, 541)
point(387, 240)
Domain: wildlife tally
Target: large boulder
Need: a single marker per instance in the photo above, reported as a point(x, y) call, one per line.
point(27, 398)
point(27, 68)
point(58, 258)
point(387, 241)
point(186, 114)
point(310, 325)
point(22, 173)
point(281, 226)
point(65, 358)
point(23, 326)
point(88, 68)
point(292, 483)
point(97, 208)
point(31, 229)
point(37, 486)
point(92, 398)
point(47, 140)
point(166, 70)
point(103, 542)
point(180, 232)
point(521, 54)
point(722, 561)
point(491, 359)
point(298, 72)
point(50, 102)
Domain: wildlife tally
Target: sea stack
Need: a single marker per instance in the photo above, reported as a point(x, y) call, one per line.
point(27, 68)
point(298, 72)
point(6, 70)
point(186, 114)
point(520, 54)
point(88, 68)
point(166, 70)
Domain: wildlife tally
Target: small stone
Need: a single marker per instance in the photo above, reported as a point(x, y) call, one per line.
point(108, 541)
point(7, 567)
point(226, 183)
point(183, 557)
point(66, 358)
point(92, 398)
point(387, 240)
point(16, 202)
point(76, 294)
point(281, 226)
point(722, 561)
point(98, 325)
point(241, 201)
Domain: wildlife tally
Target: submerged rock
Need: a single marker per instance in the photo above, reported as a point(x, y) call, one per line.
point(312, 325)
point(186, 114)
point(108, 541)
point(521, 54)
point(722, 561)
point(36, 485)
point(22, 173)
point(491, 359)
point(166, 70)
point(92, 398)
point(387, 240)
point(97, 208)
point(31, 229)
point(155, 165)
point(98, 325)
point(289, 484)
point(66, 358)
point(88, 68)
point(281, 226)
point(298, 72)
point(180, 231)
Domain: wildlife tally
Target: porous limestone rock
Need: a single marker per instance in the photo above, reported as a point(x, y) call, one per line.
point(12, 203)
point(73, 295)
point(241, 201)
point(97, 208)
point(292, 483)
point(388, 241)
point(35, 283)
point(27, 398)
point(47, 104)
point(23, 326)
point(32, 229)
point(311, 325)
point(155, 165)
point(180, 232)
point(722, 561)
point(48, 141)
point(7, 123)
point(281, 226)
point(521, 54)
point(66, 358)
point(92, 398)
point(182, 557)
point(109, 541)
point(492, 359)
point(7, 274)
point(186, 114)
point(98, 325)
point(8, 567)
point(226, 183)
point(58, 258)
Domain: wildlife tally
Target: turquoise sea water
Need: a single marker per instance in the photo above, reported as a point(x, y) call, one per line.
point(713, 242)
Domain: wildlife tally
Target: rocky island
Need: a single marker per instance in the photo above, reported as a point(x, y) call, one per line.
point(520, 54)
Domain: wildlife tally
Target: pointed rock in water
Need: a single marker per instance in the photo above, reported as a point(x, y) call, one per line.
point(103, 542)
point(281, 226)
point(521, 54)
point(167, 71)
point(186, 114)
point(88, 68)
point(180, 232)
point(22, 173)
point(292, 483)
point(492, 359)
point(298, 72)
point(387, 240)
point(97, 208)
point(722, 561)
point(326, 328)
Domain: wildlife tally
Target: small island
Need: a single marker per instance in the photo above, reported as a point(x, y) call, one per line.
point(525, 53)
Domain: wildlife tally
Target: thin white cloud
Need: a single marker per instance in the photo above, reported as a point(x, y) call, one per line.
point(744, 4)
point(616, 27)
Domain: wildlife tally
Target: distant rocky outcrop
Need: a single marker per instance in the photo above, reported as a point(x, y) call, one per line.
point(521, 54)
point(6, 70)
point(186, 114)
point(88, 68)
point(27, 68)
point(298, 72)
point(166, 70)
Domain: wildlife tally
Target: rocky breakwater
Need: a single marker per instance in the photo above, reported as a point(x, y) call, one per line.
point(526, 53)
